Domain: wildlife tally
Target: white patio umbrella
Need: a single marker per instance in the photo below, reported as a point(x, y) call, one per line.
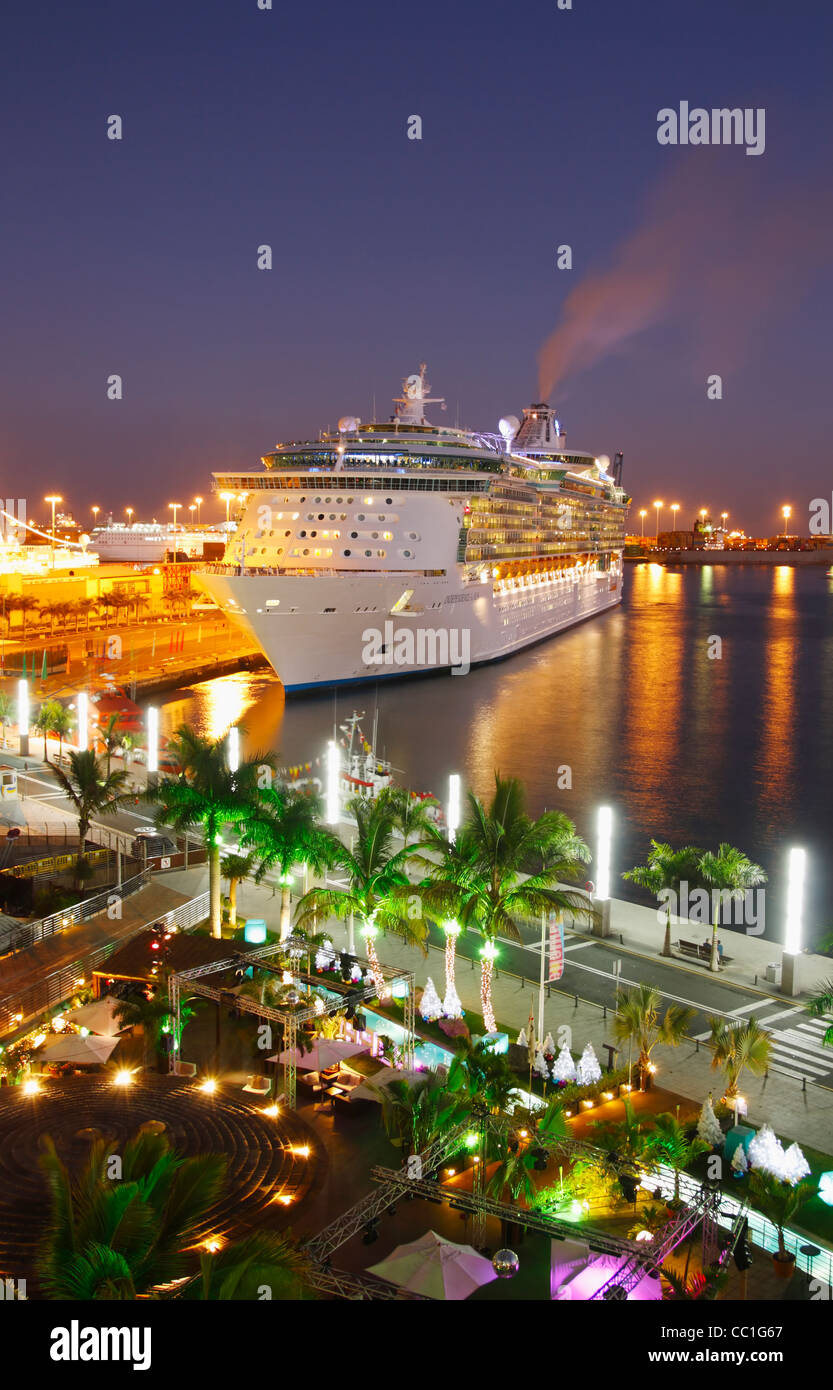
point(436, 1267)
point(98, 1016)
point(383, 1078)
point(325, 1052)
point(71, 1047)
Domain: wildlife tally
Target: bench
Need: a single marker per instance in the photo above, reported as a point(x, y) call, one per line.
point(702, 950)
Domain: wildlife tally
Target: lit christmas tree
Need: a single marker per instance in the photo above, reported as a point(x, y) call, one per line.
point(740, 1163)
point(708, 1126)
point(452, 1008)
point(549, 1045)
point(588, 1069)
point(564, 1068)
point(431, 1006)
point(523, 1040)
point(766, 1152)
point(796, 1166)
point(540, 1065)
point(325, 956)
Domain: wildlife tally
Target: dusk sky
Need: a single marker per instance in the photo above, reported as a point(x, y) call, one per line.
point(288, 127)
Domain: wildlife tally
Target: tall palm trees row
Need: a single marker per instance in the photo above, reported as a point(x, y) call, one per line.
point(399, 871)
point(726, 875)
point(61, 612)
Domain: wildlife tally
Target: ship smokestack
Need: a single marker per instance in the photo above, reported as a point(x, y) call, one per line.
point(540, 431)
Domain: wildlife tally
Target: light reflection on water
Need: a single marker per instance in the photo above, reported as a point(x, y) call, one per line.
point(686, 746)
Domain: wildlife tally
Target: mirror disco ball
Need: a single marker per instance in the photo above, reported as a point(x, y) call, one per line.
point(505, 1264)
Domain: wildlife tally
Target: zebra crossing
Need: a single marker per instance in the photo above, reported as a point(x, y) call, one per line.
point(798, 1049)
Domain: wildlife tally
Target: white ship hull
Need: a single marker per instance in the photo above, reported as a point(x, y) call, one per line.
point(328, 630)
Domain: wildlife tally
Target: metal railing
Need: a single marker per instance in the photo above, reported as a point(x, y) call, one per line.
point(17, 1009)
point(18, 938)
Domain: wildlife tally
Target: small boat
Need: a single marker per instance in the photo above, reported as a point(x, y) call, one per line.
point(113, 700)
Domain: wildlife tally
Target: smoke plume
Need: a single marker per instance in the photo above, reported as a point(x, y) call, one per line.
point(720, 249)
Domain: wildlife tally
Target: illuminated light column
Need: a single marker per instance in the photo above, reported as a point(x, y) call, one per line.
point(453, 811)
point(83, 708)
point(604, 830)
point(333, 776)
point(153, 738)
point(369, 932)
point(643, 513)
point(487, 968)
point(796, 870)
point(233, 749)
point(23, 715)
point(786, 513)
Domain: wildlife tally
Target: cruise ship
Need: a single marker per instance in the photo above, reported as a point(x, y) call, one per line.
point(150, 541)
point(386, 550)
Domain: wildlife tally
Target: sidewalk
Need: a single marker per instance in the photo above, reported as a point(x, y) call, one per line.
point(643, 934)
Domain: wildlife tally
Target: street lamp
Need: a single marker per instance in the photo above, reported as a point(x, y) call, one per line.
point(82, 708)
point(153, 738)
point(675, 507)
point(796, 871)
point(192, 507)
point(174, 507)
point(53, 498)
point(198, 501)
point(453, 812)
point(129, 511)
point(95, 511)
point(333, 779)
point(786, 513)
point(724, 517)
point(643, 513)
point(228, 498)
point(659, 506)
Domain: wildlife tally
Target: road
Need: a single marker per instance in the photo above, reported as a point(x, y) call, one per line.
point(797, 1049)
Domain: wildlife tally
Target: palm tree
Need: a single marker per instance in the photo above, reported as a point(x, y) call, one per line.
point(109, 738)
point(738, 1046)
point(415, 1113)
point(376, 882)
point(779, 1201)
point(638, 1020)
point(668, 1140)
point(484, 1076)
point(235, 867)
point(822, 1004)
point(241, 1271)
point(624, 1139)
point(727, 872)
point(62, 725)
point(283, 831)
point(665, 871)
point(90, 788)
point(412, 816)
point(210, 795)
point(116, 1238)
point(45, 722)
point(152, 1015)
point(7, 712)
point(25, 604)
point(504, 867)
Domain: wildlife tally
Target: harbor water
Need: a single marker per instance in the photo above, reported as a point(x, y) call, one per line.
point(701, 710)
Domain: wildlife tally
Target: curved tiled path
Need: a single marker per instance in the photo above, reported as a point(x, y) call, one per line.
point(261, 1164)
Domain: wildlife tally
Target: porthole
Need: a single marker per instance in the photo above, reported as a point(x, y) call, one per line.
point(354, 535)
point(360, 516)
point(368, 553)
point(388, 501)
point(302, 533)
point(320, 516)
point(348, 552)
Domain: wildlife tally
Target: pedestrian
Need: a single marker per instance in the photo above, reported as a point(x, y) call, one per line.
point(719, 949)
